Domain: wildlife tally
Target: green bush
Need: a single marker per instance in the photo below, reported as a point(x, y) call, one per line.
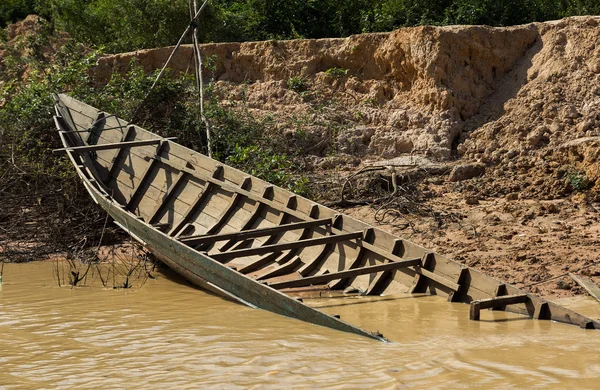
point(268, 165)
point(578, 181)
point(297, 84)
point(13, 10)
point(122, 25)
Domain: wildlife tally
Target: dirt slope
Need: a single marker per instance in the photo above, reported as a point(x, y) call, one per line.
point(404, 90)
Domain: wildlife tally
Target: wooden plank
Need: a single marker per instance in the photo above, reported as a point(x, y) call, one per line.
point(167, 198)
point(288, 245)
point(245, 234)
point(257, 264)
point(588, 284)
point(359, 261)
point(235, 199)
point(476, 306)
point(380, 282)
point(454, 295)
point(419, 284)
point(117, 161)
point(312, 280)
point(117, 145)
point(254, 214)
point(420, 270)
point(232, 188)
point(135, 197)
point(542, 311)
point(87, 130)
point(270, 240)
point(281, 269)
point(193, 207)
point(317, 262)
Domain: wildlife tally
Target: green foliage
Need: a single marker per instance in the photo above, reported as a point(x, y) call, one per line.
point(578, 181)
point(297, 84)
point(268, 165)
point(122, 25)
point(337, 72)
point(254, 145)
point(13, 10)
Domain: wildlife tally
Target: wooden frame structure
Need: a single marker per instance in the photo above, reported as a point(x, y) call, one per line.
point(249, 241)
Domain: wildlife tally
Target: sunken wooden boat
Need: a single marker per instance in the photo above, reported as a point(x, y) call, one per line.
point(252, 242)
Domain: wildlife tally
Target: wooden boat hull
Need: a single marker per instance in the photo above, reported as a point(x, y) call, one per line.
point(255, 243)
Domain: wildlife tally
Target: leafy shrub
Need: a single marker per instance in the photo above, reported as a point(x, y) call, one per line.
point(123, 25)
point(578, 181)
point(268, 165)
point(13, 10)
point(297, 84)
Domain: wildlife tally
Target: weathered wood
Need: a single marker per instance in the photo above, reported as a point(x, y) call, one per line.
point(270, 240)
point(428, 274)
point(261, 232)
point(196, 204)
point(542, 311)
point(235, 200)
point(204, 271)
point(118, 160)
point(88, 130)
point(254, 214)
point(287, 245)
point(312, 280)
point(162, 205)
point(232, 188)
point(359, 261)
point(356, 263)
point(380, 282)
point(258, 264)
point(477, 306)
point(280, 269)
point(117, 145)
point(160, 225)
point(454, 295)
point(317, 262)
point(588, 285)
point(144, 177)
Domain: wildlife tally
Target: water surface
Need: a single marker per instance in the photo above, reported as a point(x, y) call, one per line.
point(168, 334)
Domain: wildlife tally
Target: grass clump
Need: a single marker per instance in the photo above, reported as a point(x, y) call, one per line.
point(337, 72)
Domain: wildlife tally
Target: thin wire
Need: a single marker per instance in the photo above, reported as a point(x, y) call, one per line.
point(162, 71)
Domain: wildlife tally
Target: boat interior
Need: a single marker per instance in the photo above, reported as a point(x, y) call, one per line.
point(267, 233)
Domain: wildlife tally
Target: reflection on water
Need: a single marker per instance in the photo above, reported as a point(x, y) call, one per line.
point(168, 334)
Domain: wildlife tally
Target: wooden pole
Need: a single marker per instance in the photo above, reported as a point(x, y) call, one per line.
point(200, 81)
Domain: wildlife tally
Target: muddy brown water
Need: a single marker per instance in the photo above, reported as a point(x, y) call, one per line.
point(167, 334)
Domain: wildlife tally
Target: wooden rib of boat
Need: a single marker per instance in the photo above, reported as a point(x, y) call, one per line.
point(249, 241)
